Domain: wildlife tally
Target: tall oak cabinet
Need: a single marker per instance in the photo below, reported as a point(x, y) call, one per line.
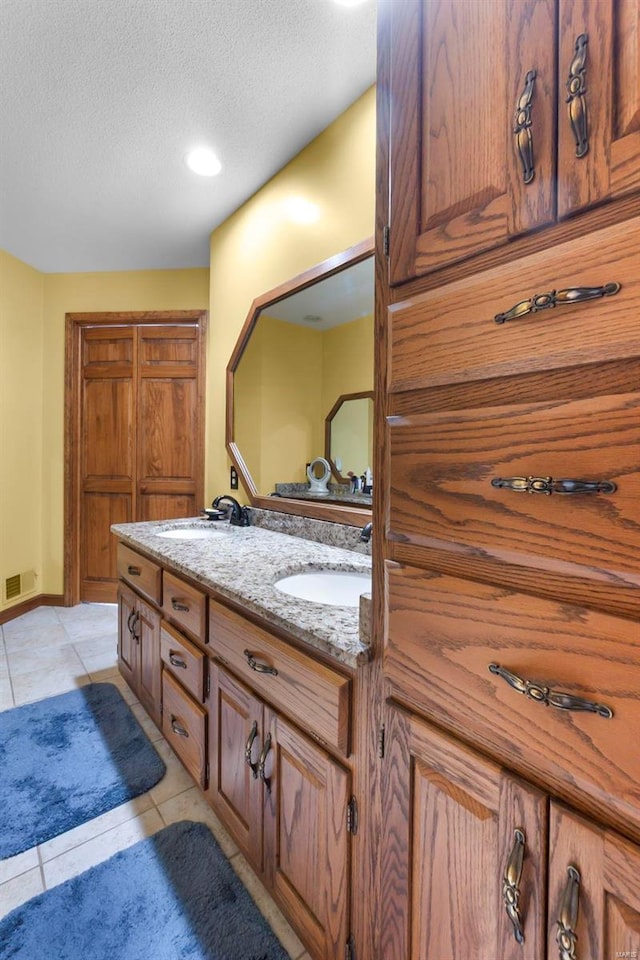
point(508, 499)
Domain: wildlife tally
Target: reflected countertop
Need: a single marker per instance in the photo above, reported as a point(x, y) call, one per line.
point(242, 564)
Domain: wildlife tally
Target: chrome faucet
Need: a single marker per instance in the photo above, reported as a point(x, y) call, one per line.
point(238, 516)
point(365, 533)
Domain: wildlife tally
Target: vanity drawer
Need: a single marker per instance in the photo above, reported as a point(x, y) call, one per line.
point(312, 695)
point(444, 467)
point(184, 725)
point(183, 659)
point(443, 635)
point(449, 335)
point(141, 573)
point(186, 606)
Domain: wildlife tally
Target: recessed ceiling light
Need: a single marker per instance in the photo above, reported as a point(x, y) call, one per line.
point(204, 162)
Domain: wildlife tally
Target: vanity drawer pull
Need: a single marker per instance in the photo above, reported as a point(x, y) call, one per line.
point(259, 667)
point(511, 884)
point(262, 761)
point(134, 571)
point(554, 298)
point(550, 698)
point(178, 728)
point(177, 661)
point(178, 605)
point(249, 749)
point(567, 921)
point(547, 485)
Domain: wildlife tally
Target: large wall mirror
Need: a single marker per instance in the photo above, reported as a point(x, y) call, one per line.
point(300, 391)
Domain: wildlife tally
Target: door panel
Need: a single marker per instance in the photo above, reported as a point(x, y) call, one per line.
point(127, 646)
point(98, 550)
point(450, 831)
point(148, 632)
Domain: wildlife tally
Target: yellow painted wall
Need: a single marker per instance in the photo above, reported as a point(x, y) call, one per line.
point(21, 421)
point(347, 360)
point(260, 246)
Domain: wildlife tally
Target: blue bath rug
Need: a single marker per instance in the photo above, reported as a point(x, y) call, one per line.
point(66, 760)
point(174, 896)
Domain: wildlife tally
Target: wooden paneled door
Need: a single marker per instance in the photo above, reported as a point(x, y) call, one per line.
point(135, 434)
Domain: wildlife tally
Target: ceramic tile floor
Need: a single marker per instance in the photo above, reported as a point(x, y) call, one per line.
point(54, 649)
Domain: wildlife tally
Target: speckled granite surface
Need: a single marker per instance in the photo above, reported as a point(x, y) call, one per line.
point(243, 563)
point(322, 531)
point(337, 491)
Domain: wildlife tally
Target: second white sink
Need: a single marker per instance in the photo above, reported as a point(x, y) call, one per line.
point(335, 587)
point(189, 533)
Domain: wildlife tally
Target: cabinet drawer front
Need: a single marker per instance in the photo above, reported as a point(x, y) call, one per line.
point(449, 335)
point(443, 635)
point(312, 695)
point(183, 659)
point(186, 606)
point(141, 573)
point(442, 497)
point(184, 724)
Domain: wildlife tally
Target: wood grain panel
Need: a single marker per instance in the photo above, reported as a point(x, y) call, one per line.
point(127, 647)
point(453, 150)
point(442, 497)
point(444, 633)
point(234, 792)
point(183, 659)
point(169, 346)
point(449, 831)
point(166, 436)
point(167, 506)
point(449, 335)
point(311, 694)
point(99, 552)
point(306, 837)
point(108, 429)
point(143, 574)
point(185, 606)
point(147, 630)
point(184, 725)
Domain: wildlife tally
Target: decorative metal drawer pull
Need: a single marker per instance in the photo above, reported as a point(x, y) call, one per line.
point(555, 298)
point(134, 571)
point(177, 661)
point(249, 749)
point(522, 128)
point(577, 96)
point(550, 698)
point(178, 728)
point(178, 605)
point(547, 485)
point(259, 667)
point(511, 884)
point(567, 921)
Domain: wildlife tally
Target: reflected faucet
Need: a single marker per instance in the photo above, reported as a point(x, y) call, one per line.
point(238, 516)
point(365, 533)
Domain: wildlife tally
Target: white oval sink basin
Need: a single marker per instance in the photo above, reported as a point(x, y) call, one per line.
point(335, 587)
point(189, 533)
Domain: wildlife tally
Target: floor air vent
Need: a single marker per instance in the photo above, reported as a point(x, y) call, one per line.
point(19, 584)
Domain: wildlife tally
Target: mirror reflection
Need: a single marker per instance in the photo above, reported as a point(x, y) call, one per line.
point(304, 354)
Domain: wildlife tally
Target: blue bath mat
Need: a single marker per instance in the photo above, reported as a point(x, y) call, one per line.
point(174, 896)
point(66, 760)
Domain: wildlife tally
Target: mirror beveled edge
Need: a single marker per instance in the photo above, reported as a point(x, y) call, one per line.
point(334, 512)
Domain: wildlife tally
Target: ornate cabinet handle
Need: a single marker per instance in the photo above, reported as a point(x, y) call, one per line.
point(577, 96)
point(547, 485)
point(134, 622)
point(259, 667)
point(134, 571)
point(566, 936)
point(262, 761)
point(511, 884)
point(178, 605)
point(554, 298)
point(130, 620)
point(177, 661)
point(550, 698)
point(522, 128)
point(249, 747)
point(178, 728)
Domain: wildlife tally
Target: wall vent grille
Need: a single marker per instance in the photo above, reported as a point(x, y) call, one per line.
point(19, 584)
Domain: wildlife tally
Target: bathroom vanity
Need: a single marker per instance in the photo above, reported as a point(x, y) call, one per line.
point(257, 692)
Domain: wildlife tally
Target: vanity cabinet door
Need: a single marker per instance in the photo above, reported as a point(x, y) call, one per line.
point(236, 739)
point(306, 794)
point(455, 828)
point(139, 649)
point(127, 646)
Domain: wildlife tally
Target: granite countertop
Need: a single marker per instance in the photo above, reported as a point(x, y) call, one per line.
point(243, 563)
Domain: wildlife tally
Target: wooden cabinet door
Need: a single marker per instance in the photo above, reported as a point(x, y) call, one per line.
point(607, 923)
point(236, 738)
point(306, 794)
point(458, 72)
point(449, 841)
point(128, 658)
point(599, 87)
point(147, 632)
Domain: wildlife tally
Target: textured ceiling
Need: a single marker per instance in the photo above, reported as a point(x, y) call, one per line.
point(101, 99)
